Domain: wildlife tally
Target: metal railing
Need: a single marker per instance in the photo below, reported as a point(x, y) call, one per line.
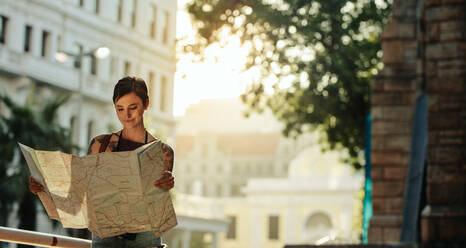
point(20, 236)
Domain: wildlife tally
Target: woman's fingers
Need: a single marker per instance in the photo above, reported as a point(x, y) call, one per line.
point(165, 182)
point(34, 186)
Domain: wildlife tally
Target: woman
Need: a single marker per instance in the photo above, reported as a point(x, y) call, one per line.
point(131, 100)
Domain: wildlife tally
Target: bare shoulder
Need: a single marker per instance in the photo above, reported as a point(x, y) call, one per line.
point(95, 144)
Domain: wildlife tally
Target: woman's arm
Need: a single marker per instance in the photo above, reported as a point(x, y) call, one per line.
point(168, 180)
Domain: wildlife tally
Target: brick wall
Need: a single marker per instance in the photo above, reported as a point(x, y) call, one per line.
point(445, 216)
point(442, 42)
point(393, 99)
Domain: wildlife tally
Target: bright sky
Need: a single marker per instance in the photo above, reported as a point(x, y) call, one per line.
point(217, 77)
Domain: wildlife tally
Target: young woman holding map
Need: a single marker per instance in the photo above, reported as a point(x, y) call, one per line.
point(131, 100)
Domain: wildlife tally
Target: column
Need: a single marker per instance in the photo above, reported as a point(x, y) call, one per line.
point(186, 239)
point(393, 98)
point(214, 240)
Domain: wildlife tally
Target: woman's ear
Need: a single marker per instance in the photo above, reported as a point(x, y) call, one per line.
point(146, 105)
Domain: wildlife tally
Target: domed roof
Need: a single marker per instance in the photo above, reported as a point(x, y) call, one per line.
point(312, 162)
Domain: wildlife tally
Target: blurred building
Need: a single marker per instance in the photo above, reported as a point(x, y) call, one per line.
point(273, 190)
point(141, 38)
point(139, 34)
point(218, 149)
point(314, 204)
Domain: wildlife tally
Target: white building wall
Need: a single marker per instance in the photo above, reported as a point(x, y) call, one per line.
point(67, 24)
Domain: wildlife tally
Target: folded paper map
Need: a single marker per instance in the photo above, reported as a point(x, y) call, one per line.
point(109, 193)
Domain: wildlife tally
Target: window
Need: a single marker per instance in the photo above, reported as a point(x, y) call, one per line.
point(163, 95)
point(81, 3)
point(273, 226)
point(120, 11)
point(97, 6)
point(93, 64)
point(73, 129)
point(27, 38)
point(90, 131)
point(151, 88)
point(45, 44)
point(318, 226)
point(3, 27)
point(127, 68)
point(205, 150)
point(231, 233)
point(166, 28)
point(134, 13)
point(153, 24)
point(235, 190)
point(219, 190)
point(78, 49)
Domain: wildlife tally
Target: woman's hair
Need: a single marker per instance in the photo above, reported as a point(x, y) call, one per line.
point(127, 85)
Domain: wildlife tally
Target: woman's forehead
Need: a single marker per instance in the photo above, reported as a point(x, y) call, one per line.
point(128, 99)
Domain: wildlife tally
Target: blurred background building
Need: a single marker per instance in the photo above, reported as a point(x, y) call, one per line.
point(273, 190)
point(141, 38)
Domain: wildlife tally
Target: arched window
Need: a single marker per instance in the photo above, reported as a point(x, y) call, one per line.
point(318, 226)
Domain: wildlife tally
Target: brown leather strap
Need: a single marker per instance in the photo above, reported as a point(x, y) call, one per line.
point(104, 144)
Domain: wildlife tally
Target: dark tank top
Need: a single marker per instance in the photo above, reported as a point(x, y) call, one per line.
point(127, 145)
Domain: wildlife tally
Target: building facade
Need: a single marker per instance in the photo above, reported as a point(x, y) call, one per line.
point(140, 36)
point(272, 190)
point(314, 204)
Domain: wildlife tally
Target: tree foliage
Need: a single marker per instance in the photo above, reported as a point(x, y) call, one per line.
point(33, 125)
point(316, 59)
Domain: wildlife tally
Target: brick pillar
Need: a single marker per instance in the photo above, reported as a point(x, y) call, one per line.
point(444, 219)
point(393, 99)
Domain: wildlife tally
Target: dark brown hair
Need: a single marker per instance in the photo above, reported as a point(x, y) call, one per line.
point(127, 85)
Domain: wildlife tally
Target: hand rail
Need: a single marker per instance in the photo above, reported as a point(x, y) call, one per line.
point(41, 239)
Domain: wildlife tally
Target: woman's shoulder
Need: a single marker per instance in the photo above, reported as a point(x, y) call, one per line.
point(97, 141)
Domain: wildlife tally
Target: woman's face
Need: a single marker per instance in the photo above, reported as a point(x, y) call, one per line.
point(130, 110)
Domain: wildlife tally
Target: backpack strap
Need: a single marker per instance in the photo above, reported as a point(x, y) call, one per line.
point(104, 144)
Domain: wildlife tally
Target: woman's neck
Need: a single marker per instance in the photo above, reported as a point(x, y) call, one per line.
point(136, 133)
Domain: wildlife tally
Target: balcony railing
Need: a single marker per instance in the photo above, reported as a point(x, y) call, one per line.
point(20, 236)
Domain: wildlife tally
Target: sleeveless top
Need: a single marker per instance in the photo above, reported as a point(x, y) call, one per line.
point(128, 145)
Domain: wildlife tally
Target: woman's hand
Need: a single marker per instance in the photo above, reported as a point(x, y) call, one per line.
point(34, 186)
point(166, 182)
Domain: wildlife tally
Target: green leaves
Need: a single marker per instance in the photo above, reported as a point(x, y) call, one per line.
point(327, 51)
point(33, 126)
